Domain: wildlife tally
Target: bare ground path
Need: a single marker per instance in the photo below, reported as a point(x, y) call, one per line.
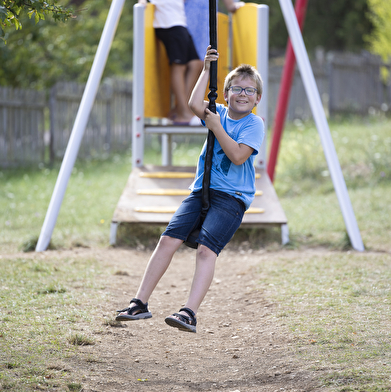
point(240, 344)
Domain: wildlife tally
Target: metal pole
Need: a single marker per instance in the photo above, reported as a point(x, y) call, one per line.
point(263, 69)
point(80, 124)
point(321, 123)
point(285, 89)
point(138, 85)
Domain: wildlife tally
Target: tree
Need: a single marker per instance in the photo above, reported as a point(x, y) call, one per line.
point(40, 55)
point(12, 10)
point(380, 39)
point(334, 25)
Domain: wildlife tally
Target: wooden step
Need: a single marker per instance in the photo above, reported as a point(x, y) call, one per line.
point(175, 175)
point(172, 192)
point(171, 210)
point(164, 192)
point(160, 190)
point(166, 175)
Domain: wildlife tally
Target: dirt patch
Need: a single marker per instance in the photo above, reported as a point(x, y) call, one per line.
point(240, 345)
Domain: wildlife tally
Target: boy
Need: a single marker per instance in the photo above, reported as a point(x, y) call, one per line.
point(239, 135)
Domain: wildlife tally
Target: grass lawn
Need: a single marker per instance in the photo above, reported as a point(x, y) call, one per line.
point(337, 307)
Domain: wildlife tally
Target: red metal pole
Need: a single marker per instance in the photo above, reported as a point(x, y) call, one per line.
point(285, 89)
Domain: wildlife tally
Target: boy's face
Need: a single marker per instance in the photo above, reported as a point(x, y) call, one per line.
point(240, 105)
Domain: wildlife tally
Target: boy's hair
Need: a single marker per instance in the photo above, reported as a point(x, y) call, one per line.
point(244, 71)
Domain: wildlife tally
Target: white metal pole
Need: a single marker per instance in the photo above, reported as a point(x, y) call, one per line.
point(80, 123)
point(138, 85)
point(321, 123)
point(263, 68)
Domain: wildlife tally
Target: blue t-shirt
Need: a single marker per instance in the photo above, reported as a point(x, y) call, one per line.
point(236, 180)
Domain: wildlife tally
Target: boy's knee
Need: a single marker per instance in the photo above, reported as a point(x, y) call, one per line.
point(166, 240)
point(205, 253)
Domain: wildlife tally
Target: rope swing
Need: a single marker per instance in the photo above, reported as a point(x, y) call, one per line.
point(212, 96)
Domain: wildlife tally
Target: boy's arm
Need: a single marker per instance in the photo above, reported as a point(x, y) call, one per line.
point(238, 153)
point(196, 102)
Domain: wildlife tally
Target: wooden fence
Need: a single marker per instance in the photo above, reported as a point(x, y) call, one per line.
point(298, 107)
point(109, 126)
point(347, 84)
point(356, 85)
point(21, 127)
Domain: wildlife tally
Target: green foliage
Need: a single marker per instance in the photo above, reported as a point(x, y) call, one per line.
point(41, 55)
point(380, 38)
point(335, 25)
point(11, 12)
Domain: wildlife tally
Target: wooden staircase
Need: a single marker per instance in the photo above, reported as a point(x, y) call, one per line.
point(153, 193)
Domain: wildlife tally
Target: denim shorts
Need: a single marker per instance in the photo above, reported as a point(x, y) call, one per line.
point(223, 218)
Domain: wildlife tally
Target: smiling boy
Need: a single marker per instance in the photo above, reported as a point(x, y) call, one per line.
point(239, 135)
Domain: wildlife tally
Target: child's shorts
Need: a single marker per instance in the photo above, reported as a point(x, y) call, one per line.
point(223, 218)
point(178, 43)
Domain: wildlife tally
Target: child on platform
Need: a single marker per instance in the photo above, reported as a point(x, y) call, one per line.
point(238, 137)
point(170, 26)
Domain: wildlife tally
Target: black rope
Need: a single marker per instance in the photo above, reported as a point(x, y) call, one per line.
point(212, 107)
point(212, 96)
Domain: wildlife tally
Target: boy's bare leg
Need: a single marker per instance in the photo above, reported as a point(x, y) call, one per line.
point(157, 266)
point(178, 85)
point(203, 276)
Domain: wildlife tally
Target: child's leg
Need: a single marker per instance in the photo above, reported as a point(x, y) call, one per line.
point(203, 276)
point(178, 85)
point(193, 71)
point(222, 220)
point(157, 266)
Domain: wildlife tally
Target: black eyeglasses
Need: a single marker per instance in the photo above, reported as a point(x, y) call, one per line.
point(238, 90)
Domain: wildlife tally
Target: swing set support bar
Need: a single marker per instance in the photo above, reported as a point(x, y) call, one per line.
point(321, 124)
point(80, 124)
